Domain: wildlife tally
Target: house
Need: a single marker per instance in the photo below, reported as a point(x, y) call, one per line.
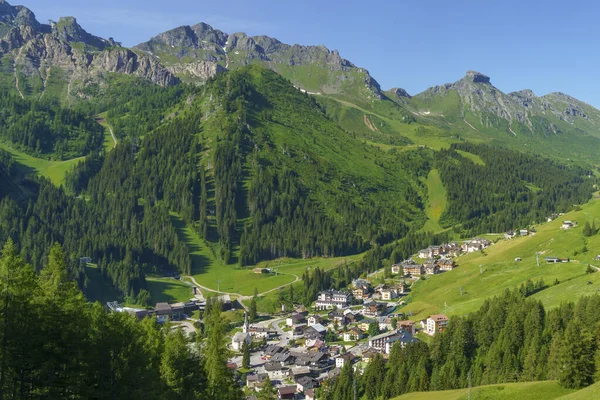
point(260, 332)
point(283, 358)
point(396, 268)
point(305, 383)
point(402, 337)
point(225, 301)
point(436, 323)
point(298, 372)
point(426, 253)
point(368, 355)
point(360, 293)
point(413, 269)
point(317, 331)
point(352, 335)
point(260, 270)
point(273, 349)
point(408, 326)
point(568, 224)
point(373, 309)
point(432, 269)
point(315, 344)
point(299, 330)
point(337, 316)
point(510, 235)
point(388, 294)
point(314, 319)
point(523, 232)
point(286, 392)
point(446, 264)
point(311, 359)
point(255, 380)
point(329, 299)
point(276, 371)
point(238, 340)
point(295, 319)
point(341, 360)
point(384, 323)
point(309, 394)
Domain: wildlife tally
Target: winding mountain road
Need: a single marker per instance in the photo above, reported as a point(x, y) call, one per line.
point(239, 296)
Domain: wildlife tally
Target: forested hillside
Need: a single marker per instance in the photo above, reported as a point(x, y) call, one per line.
point(260, 171)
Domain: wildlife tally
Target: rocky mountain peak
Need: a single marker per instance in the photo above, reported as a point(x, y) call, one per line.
point(68, 30)
point(477, 77)
point(399, 92)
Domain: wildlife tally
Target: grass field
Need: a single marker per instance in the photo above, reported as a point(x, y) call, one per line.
point(500, 270)
point(436, 202)
point(168, 290)
point(207, 269)
point(53, 170)
point(473, 157)
point(590, 392)
point(546, 390)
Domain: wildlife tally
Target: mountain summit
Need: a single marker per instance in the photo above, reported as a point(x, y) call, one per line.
point(200, 51)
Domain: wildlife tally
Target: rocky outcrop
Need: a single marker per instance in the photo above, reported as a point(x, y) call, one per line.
point(201, 71)
point(125, 61)
point(477, 77)
point(399, 92)
point(68, 30)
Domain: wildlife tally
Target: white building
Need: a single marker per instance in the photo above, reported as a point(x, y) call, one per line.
point(436, 323)
point(329, 299)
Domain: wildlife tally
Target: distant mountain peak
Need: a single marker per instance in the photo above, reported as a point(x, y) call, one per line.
point(399, 92)
point(477, 77)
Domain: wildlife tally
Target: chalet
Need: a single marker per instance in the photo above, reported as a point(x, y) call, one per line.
point(384, 323)
point(260, 270)
point(408, 326)
point(316, 331)
point(305, 383)
point(341, 360)
point(373, 309)
point(276, 371)
point(452, 249)
point(286, 392)
point(475, 244)
point(337, 316)
point(352, 335)
point(368, 355)
point(298, 372)
point(396, 269)
point(568, 224)
point(255, 380)
point(311, 359)
point(436, 323)
point(426, 253)
point(388, 294)
point(273, 349)
point(295, 319)
point(225, 301)
point(261, 332)
point(163, 309)
point(360, 293)
point(510, 235)
point(283, 358)
point(523, 232)
point(299, 330)
point(329, 299)
point(432, 269)
point(414, 269)
point(315, 345)
point(446, 264)
point(314, 319)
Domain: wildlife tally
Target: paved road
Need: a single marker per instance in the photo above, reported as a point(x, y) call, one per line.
point(239, 296)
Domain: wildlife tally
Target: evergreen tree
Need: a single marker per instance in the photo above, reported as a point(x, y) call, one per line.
point(252, 313)
point(575, 357)
point(245, 356)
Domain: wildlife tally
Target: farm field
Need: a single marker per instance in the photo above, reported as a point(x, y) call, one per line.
point(499, 270)
point(546, 390)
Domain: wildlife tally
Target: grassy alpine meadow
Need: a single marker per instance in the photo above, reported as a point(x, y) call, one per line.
point(168, 290)
point(53, 170)
point(208, 269)
point(500, 269)
point(590, 392)
point(545, 390)
point(436, 202)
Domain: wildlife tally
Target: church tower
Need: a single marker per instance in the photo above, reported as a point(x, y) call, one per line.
point(246, 327)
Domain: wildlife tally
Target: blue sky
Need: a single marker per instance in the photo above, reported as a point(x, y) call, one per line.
point(545, 46)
